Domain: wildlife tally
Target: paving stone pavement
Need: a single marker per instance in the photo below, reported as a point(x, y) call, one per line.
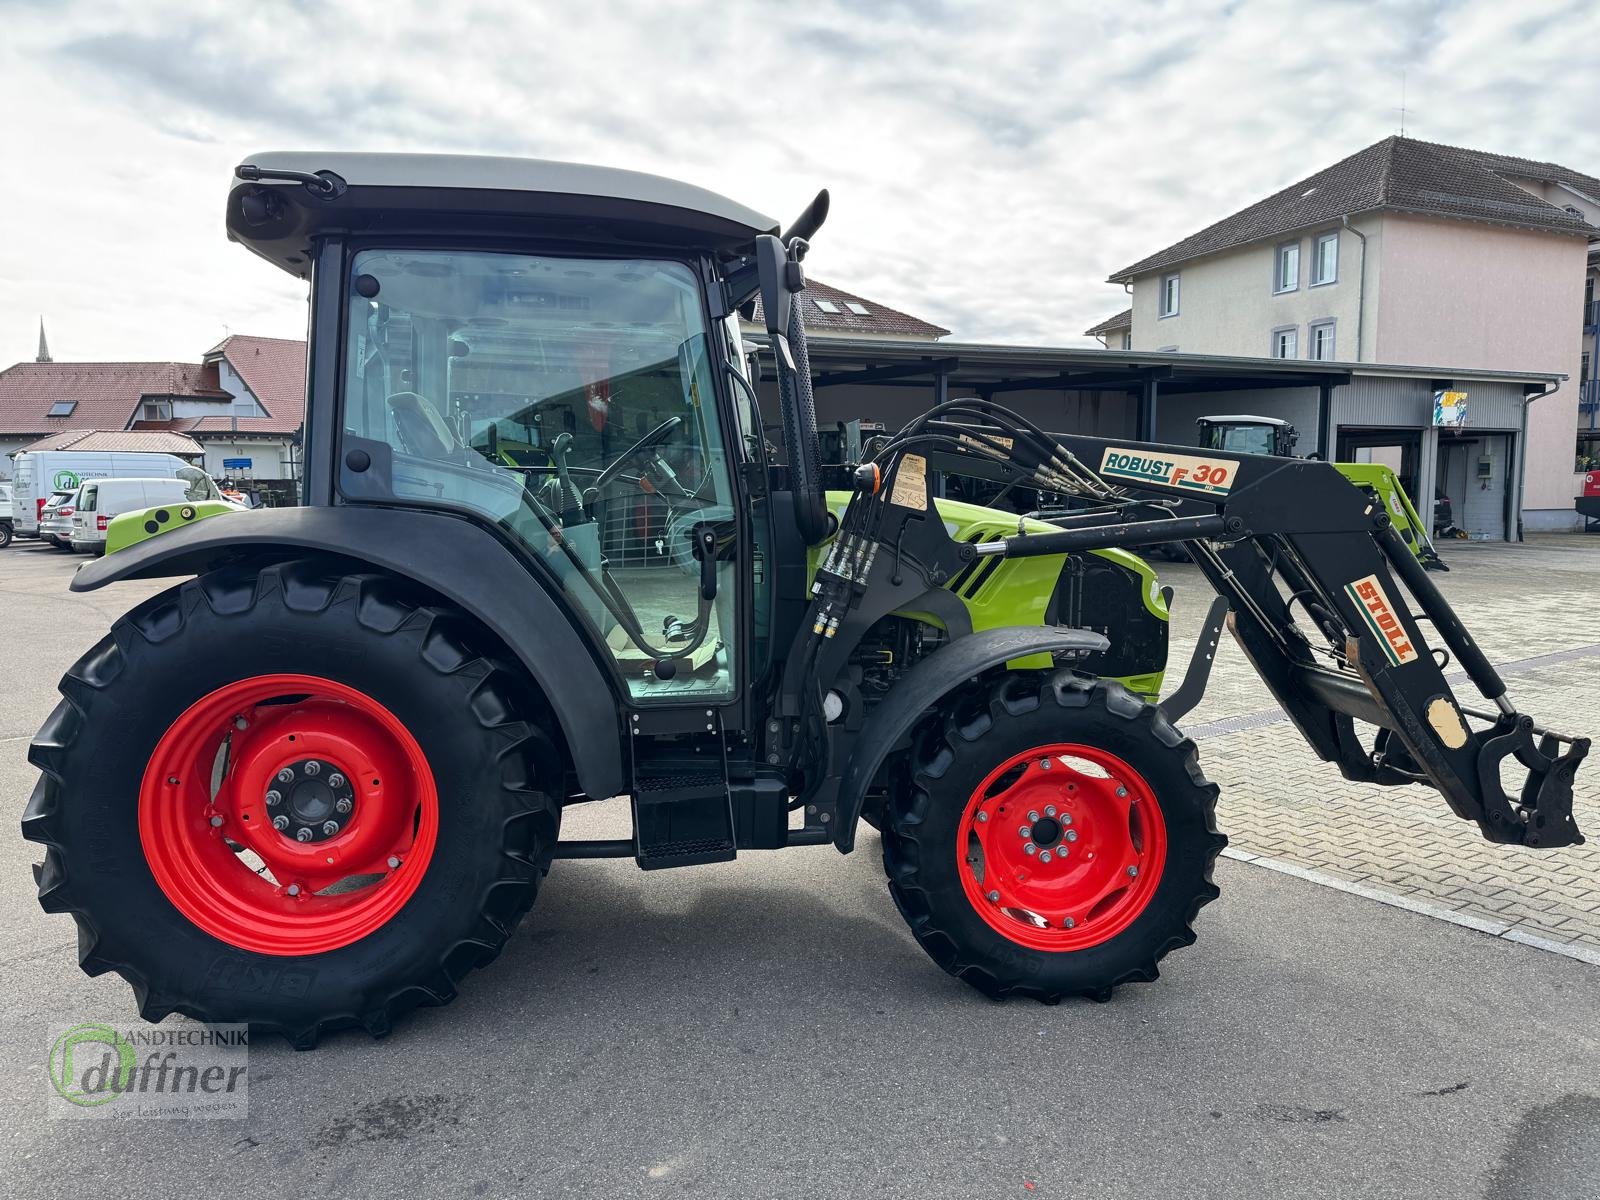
point(1532, 609)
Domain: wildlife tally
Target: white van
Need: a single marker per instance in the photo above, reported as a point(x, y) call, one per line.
point(37, 473)
point(5, 514)
point(99, 500)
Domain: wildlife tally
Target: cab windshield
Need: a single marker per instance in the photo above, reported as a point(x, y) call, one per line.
point(1241, 439)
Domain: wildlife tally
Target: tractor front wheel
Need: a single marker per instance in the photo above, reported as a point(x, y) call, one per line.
point(1051, 837)
point(296, 798)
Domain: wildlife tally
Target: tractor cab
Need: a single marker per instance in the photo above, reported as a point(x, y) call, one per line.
point(553, 351)
point(1248, 435)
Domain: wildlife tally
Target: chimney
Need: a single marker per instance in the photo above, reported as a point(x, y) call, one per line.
point(44, 347)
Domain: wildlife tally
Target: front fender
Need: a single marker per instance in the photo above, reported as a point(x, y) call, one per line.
point(924, 686)
point(459, 560)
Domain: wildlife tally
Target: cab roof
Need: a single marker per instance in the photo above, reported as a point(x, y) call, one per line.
point(278, 217)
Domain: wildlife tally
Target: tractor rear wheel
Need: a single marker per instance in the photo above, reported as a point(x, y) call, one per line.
point(1053, 836)
point(294, 798)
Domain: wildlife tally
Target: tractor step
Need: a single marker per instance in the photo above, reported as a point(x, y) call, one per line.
point(682, 813)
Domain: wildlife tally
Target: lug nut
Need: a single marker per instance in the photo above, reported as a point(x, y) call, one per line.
point(1121, 791)
point(280, 822)
point(274, 797)
point(313, 768)
point(1069, 923)
point(1132, 871)
point(982, 817)
point(293, 889)
point(1044, 764)
point(1066, 818)
point(342, 804)
point(330, 827)
point(303, 834)
point(1049, 810)
point(285, 775)
point(1030, 848)
point(1044, 856)
point(393, 862)
point(216, 822)
point(1072, 835)
point(336, 780)
point(1033, 817)
point(1024, 830)
point(994, 897)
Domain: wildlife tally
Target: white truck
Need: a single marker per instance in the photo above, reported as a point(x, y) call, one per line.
point(38, 473)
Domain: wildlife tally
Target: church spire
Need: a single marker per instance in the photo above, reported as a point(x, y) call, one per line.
point(44, 346)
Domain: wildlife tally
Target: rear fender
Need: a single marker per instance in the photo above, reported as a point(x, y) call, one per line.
point(924, 687)
point(459, 560)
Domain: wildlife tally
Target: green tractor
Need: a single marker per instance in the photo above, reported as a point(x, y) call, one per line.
point(545, 558)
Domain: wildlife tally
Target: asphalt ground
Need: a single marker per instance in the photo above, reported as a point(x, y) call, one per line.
point(768, 1028)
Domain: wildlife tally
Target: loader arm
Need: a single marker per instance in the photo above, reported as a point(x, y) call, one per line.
point(1327, 601)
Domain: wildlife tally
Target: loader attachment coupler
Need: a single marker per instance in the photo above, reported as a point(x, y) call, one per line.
point(1326, 600)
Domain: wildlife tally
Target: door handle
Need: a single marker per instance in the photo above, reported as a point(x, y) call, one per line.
point(705, 543)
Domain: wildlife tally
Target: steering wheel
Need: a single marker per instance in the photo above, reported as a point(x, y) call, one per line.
point(655, 437)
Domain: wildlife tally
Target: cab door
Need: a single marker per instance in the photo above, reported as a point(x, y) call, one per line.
point(572, 401)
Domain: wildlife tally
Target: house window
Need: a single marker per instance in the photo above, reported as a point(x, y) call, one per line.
point(155, 410)
point(1286, 272)
point(1325, 260)
point(827, 306)
point(1169, 296)
point(860, 310)
point(62, 408)
point(1320, 335)
point(1286, 342)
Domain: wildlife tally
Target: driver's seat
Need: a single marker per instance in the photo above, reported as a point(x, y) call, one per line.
point(421, 428)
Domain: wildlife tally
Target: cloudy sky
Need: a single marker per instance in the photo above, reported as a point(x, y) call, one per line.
point(990, 165)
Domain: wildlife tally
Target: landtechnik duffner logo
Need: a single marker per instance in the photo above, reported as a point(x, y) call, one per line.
point(1213, 475)
point(196, 1072)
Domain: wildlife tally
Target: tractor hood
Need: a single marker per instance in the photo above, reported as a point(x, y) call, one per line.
point(280, 201)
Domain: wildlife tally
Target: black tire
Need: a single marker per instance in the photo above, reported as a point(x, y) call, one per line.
point(477, 726)
point(952, 757)
point(5, 534)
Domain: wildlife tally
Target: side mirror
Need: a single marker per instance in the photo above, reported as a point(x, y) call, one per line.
point(772, 265)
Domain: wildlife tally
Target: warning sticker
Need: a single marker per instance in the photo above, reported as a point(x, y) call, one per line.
point(911, 483)
point(1379, 615)
point(1214, 475)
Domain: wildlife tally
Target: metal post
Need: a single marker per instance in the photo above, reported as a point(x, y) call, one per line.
point(1427, 476)
point(941, 393)
point(1325, 428)
point(1147, 410)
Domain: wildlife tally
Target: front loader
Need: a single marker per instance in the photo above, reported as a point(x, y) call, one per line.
point(544, 558)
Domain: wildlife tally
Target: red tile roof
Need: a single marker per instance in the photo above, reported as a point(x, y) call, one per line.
point(106, 393)
point(878, 318)
point(274, 369)
point(143, 440)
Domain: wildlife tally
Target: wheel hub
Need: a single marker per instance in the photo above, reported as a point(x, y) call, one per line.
point(315, 831)
point(311, 800)
point(1061, 847)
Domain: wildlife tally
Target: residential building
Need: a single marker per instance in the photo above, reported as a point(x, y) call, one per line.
point(242, 403)
point(1114, 333)
point(1589, 369)
point(1407, 252)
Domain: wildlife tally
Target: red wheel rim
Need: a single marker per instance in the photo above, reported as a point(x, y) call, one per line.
point(357, 829)
point(1098, 844)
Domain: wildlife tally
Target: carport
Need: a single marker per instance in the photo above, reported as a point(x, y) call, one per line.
point(1365, 409)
